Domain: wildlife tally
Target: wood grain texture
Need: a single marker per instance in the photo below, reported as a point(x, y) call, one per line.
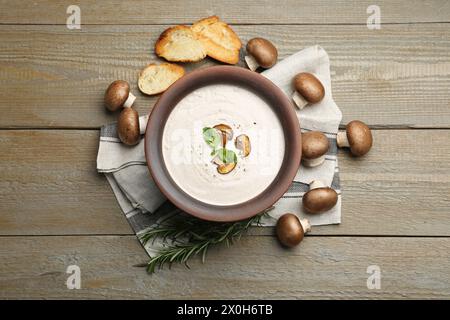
point(398, 76)
point(53, 77)
point(49, 186)
point(235, 11)
point(254, 268)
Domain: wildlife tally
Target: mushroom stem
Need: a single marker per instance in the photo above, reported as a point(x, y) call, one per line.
point(143, 124)
point(316, 184)
point(300, 102)
point(313, 162)
point(342, 140)
point(251, 63)
point(305, 225)
point(130, 100)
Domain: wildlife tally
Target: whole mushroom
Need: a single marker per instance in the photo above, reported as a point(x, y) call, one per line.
point(128, 126)
point(357, 136)
point(308, 90)
point(290, 229)
point(314, 147)
point(319, 198)
point(260, 52)
point(117, 95)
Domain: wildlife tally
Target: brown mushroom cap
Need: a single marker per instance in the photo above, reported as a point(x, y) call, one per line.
point(309, 87)
point(319, 200)
point(263, 51)
point(314, 144)
point(128, 126)
point(359, 137)
point(116, 94)
point(289, 230)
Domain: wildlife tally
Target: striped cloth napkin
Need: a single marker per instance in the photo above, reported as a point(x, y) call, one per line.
point(145, 206)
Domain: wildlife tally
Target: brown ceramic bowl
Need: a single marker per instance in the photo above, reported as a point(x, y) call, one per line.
point(246, 79)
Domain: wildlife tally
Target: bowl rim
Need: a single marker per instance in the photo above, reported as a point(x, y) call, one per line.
point(273, 95)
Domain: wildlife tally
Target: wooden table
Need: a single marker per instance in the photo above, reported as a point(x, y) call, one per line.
point(56, 211)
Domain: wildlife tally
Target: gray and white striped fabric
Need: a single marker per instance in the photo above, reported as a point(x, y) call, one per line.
point(145, 206)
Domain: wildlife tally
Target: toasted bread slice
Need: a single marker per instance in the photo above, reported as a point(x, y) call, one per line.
point(180, 44)
point(156, 78)
point(220, 41)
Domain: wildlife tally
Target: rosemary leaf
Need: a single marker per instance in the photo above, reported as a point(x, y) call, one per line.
point(190, 236)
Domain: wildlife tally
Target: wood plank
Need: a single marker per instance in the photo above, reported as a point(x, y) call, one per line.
point(49, 186)
point(52, 77)
point(235, 11)
point(254, 268)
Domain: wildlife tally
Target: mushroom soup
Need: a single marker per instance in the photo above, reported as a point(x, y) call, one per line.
point(223, 144)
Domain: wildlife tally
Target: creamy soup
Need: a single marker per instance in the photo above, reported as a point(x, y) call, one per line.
point(188, 157)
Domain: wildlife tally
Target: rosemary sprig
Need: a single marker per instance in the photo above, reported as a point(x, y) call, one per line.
point(190, 237)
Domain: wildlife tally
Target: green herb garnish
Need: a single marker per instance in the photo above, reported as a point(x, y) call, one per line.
point(191, 237)
point(227, 156)
point(212, 138)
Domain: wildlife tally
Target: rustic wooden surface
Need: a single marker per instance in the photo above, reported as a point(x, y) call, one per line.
point(398, 76)
point(257, 267)
point(55, 210)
